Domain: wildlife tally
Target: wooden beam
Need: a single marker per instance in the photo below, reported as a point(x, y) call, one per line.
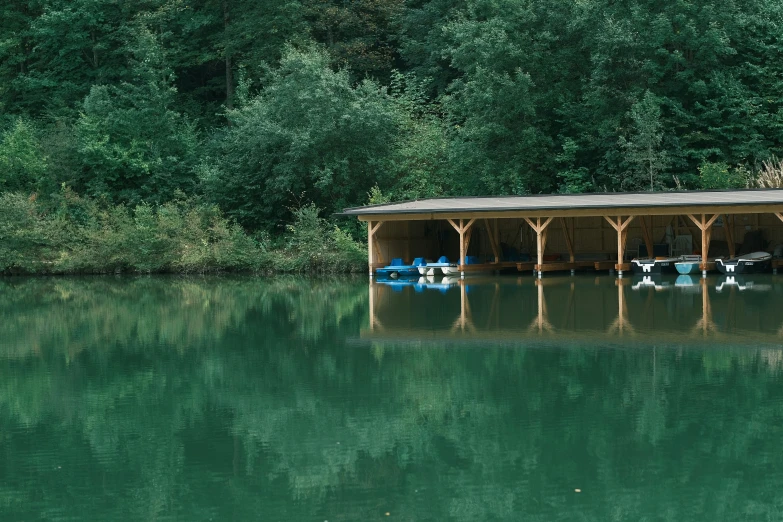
point(622, 237)
point(496, 236)
point(453, 224)
point(541, 236)
point(492, 240)
point(729, 227)
point(706, 235)
point(647, 235)
point(370, 247)
point(568, 238)
point(374, 256)
point(695, 221)
point(462, 249)
point(376, 227)
point(611, 222)
point(779, 215)
point(705, 225)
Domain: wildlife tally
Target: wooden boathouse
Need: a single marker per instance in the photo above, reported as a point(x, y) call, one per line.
point(573, 231)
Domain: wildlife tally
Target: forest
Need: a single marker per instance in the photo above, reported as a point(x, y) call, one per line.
point(254, 122)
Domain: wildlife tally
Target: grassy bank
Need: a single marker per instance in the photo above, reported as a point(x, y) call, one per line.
point(75, 235)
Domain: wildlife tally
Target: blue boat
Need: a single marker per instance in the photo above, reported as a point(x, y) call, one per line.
point(433, 269)
point(397, 269)
point(688, 265)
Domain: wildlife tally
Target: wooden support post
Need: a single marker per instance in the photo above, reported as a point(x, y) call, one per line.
point(496, 236)
point(540, 230)
point(370, 248)
point(373, 249)
point(492, 240)
point(462, 248)
point(705, 225)
point(464, 240)
point(622, 235)
point(568, 232)
point(647, 235)
point(729, 227)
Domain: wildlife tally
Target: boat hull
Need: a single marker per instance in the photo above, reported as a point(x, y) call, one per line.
point(743, 266)
point(397, 273)
point(687, 267)
point(653, 266)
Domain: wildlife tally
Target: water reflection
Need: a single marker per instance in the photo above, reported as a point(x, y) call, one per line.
point(592, 310)
point(301, 399)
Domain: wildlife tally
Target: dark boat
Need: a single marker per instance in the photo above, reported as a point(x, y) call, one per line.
point(753, 263)
point(657, 265)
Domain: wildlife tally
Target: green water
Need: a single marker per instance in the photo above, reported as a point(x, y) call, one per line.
point(331, 400)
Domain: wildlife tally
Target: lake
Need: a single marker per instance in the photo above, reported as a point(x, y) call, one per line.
point(293, 399)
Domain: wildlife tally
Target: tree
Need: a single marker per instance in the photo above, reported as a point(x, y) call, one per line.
point(22, 163)
point(643, 148)
point(132, 146)
point(309, 134)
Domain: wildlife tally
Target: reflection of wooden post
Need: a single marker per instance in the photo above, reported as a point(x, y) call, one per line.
point(464, 240)
point(540, 229)
point(372, 307)
point(373, 250)
point(465, 319)
point(705, 324)
point(705, 225)
point(621, 323)
point(541, 322)
point(622, 235)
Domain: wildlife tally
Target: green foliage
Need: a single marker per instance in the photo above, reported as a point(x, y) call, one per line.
point(643, 148)
point(312, 245)
point(78, 235)
point(22, 162)
point(131, 103)
point(132, 146)
point(722, 176)
point(299, 136)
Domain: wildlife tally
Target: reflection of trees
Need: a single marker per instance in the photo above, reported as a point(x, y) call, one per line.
point(263, 411)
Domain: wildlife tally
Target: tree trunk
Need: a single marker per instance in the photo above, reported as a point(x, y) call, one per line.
point(229, 69)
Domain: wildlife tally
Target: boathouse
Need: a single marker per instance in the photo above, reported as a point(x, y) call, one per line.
point(573, 231)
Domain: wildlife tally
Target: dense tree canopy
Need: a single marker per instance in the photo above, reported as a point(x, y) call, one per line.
point(259, 106)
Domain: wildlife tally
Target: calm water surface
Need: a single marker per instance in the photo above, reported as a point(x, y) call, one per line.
point(573, 399)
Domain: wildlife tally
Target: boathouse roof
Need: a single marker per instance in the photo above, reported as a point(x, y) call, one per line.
point(693, 200)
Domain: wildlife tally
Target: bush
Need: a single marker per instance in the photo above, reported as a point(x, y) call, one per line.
point(722, 176)
point(80, 235)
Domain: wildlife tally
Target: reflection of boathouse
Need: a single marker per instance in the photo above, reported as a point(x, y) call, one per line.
point(576, 231)
point(597, 310)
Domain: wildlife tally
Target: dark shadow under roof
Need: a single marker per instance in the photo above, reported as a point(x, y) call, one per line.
point(577, 201)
